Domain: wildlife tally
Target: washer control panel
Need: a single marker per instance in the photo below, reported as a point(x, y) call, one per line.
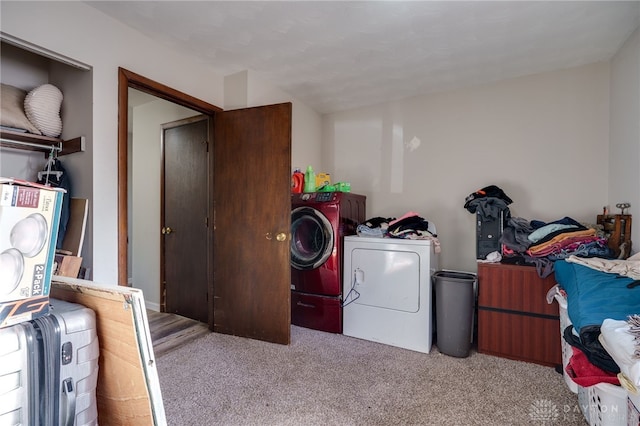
point(320, 197)
point(324, 197)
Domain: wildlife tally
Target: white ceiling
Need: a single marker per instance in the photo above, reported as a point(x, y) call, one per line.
point(338, 55)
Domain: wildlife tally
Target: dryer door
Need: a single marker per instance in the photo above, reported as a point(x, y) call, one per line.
point(311, 238)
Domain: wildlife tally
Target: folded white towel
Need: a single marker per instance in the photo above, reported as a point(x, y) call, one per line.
point(620, 343)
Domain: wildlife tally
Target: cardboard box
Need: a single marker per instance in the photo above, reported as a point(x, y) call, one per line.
point(67, 266)
point(323, 179)
point(128, 390)
point(16, 311)
point(29, 220)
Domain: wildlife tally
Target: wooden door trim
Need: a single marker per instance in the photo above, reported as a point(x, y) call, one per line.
point(127, 79)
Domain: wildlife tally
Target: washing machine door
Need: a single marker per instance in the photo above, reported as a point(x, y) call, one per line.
point(311, 238)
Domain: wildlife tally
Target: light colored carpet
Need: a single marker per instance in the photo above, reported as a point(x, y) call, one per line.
point(329, 379)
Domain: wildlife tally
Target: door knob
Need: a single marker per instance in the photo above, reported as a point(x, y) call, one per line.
point(166, 231)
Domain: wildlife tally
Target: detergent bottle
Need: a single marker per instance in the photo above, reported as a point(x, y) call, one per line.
point(297, 181)
point(310, 180)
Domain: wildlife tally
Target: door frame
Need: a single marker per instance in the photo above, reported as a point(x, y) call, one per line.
point(127, 79)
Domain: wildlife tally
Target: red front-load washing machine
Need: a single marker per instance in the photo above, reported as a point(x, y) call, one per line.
point(319, 223)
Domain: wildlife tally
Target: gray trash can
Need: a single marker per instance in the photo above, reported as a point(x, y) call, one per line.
point(455, 302)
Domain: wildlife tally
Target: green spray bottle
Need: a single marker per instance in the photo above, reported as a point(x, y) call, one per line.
point(309, 180)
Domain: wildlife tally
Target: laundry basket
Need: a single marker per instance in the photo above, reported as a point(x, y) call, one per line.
point(603, 404)
point(554, 293)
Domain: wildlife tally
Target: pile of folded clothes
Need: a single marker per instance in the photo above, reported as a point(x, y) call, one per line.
point(539, 243)
point(408, 226)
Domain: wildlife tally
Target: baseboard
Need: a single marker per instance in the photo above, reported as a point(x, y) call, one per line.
point(152, 306)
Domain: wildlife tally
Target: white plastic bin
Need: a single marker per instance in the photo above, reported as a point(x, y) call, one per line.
point(555, 294)
point(603, 404)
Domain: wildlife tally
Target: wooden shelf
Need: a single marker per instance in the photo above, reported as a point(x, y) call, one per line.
point(17, 140)
point(617, 228)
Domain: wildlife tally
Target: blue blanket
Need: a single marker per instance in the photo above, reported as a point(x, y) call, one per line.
point(593, 296)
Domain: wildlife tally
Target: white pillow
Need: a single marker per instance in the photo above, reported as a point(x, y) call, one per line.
point(42, 106)
point(12, 109)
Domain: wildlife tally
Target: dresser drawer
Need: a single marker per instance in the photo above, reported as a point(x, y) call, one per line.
point(514, 319)
point(514, 288)
point(520, 337)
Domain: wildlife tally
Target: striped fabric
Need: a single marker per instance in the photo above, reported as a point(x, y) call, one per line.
point(42, 107)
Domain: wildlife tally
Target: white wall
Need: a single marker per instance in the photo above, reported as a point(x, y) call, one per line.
point(306, 136)
point(543, 139)
point(78, 106)
point(236, 87)
point(245, 89)
point(624, 159)
point(144, 240)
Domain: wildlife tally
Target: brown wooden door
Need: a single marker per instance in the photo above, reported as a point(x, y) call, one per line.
point(184, 221)
point(252, 202)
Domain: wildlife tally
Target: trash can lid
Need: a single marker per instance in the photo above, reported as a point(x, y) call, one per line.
point(455, 275)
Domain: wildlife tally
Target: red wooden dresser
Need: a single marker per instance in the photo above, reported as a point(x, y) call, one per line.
point(514, 319)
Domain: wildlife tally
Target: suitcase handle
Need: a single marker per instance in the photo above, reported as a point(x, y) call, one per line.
point(69, 403)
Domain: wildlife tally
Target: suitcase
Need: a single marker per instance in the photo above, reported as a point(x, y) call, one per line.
point(49, 368)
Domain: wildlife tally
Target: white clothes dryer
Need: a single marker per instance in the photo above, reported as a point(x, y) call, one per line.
point(387, 291)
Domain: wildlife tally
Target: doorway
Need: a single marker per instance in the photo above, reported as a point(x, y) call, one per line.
point(249, 277)
point(147, 115)
point(130, 80)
